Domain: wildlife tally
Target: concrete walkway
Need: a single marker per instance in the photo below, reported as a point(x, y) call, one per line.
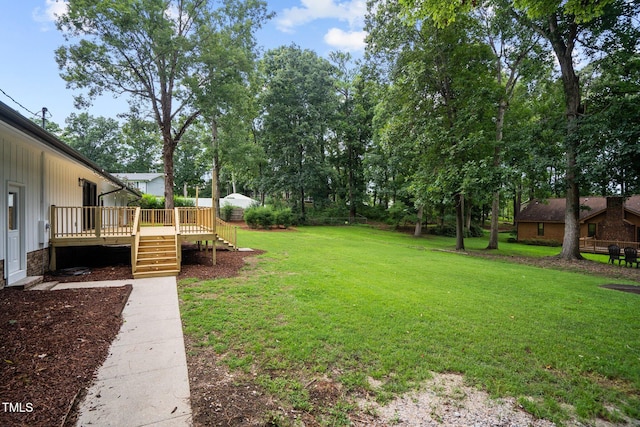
point(144, 380)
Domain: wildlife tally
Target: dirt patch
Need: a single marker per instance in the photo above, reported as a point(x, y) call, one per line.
point(624, 288)
point(582, 266)
point(52, 343)
point(446, 401)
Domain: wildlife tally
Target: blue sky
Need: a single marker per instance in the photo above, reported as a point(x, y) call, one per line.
point(30, 75)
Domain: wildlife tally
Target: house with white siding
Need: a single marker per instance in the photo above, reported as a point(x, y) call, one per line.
point(39, 173)
point(147, 183)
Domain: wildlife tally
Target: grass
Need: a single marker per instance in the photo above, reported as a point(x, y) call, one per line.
point(355, 302)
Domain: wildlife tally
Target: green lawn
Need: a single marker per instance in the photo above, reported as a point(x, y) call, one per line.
point(356, 302)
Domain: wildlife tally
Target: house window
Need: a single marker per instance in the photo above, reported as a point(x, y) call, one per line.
point(541, 229)
point(591, 232)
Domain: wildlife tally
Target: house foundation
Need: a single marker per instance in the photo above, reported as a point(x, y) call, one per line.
point(2, 280)
point(38, 262)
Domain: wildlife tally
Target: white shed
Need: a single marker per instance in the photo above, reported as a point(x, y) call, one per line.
point(238, 200)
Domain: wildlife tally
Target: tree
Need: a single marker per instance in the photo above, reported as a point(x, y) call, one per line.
point(352, 130)
point(444, 92)
point(518, 55)
point(299, 103)
point(229, 62)
point(142, 144)
point(145, 49)
point(610, 154)
point(97, 138)
point(560, 23)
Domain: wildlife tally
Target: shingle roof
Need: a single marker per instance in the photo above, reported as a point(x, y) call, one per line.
point(135, 176)
point(553, 210)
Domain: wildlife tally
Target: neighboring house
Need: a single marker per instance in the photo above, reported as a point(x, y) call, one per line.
point(148, 183)
point(602, 218)
point(38, 171)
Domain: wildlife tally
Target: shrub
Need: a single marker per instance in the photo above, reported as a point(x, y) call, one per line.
point(149, 201)
point(265, 217)
point(447, 230)
point(283, 217)
point(226, 211)
point(251, 216)
point(182, 202)
point(259, 216)
point(476, 231)
point(541, 242)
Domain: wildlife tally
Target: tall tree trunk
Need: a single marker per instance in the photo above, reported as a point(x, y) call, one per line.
point(215, 172)
point(459, 200)
point(167, 157)
point(418, 231)
point(495, 214)
point(352, 187)
point(497, 158)
point(571, 84)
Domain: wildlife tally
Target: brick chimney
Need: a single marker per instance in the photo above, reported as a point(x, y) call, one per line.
point(614, 227)
point(615, 209)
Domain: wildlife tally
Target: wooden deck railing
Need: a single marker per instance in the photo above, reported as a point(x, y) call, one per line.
point(157, 217)
point(91, 221)
point(227, 231)
point(121, 221)
point(590, 244)
point(196, 220)
point(135, 232)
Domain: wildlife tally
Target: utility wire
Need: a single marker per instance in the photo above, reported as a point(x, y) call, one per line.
point(23, 107)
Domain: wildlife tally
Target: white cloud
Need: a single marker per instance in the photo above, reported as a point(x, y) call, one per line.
point(346, 40)
point(50, 12)
point(352, 11)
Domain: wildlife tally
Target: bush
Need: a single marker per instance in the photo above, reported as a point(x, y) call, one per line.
point(154, 202)
point(447, 230)
point(182, 202)
point(151, 202)
point(541, 242)
point(226, 212)
point(283, 217)
point(259, 216)
point(476, 231)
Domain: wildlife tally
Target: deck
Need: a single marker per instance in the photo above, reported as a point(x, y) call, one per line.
point(593, 246)
point(155, 235)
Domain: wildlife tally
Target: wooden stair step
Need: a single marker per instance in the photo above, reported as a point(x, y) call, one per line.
point(147, 274)
point(157, 261)
point(156, 267)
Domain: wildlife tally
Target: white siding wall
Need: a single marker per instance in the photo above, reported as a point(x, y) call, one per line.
point(46, 178)
point(156, 187)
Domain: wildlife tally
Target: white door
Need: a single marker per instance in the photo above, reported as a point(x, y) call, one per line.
point(16, 256)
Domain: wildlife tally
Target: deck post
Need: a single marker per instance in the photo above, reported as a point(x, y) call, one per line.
point(52, 258)
point(98, 220)
point(215, 232)
point(53, 221)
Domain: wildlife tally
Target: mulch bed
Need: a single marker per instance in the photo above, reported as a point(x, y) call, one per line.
point(52, 342)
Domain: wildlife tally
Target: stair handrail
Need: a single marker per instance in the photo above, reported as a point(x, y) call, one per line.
point(226, 232)
point(176, 220)
point(135, 233)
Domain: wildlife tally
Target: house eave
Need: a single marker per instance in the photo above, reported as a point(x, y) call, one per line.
point(21, 123)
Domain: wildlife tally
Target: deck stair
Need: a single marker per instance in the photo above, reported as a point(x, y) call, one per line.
point(225, 244)
point(157, 256)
